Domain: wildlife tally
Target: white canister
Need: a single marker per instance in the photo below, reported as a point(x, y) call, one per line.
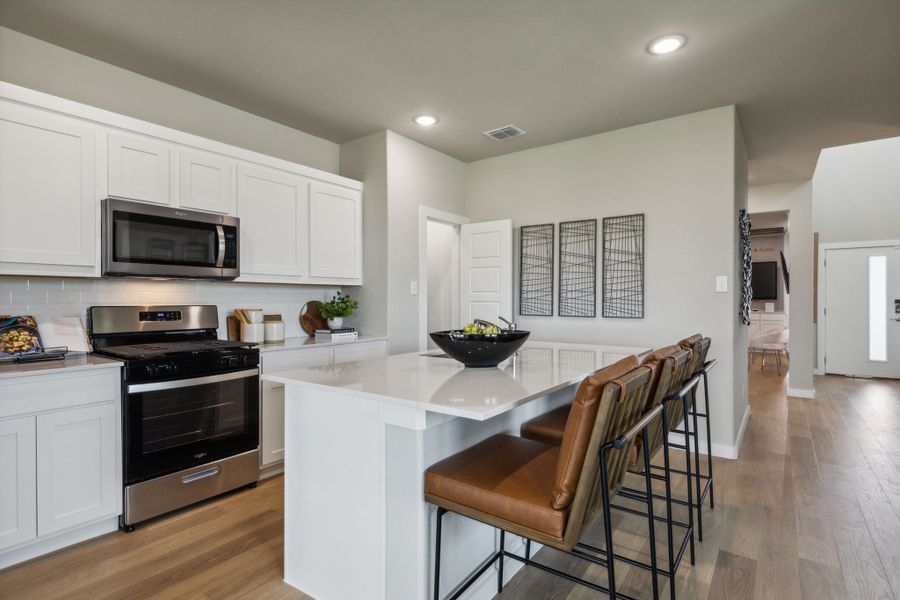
point(274, 331)
point(254, 314)
point(253, 332)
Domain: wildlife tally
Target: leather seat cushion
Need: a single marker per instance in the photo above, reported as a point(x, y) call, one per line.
point(504, 476)
point(548, 427)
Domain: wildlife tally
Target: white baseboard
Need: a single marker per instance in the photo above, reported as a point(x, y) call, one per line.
point(718, 450)
point(801, 393)
point(58, 542)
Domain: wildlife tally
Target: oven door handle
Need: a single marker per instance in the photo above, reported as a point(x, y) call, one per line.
point(220, 256)
point(183, 383)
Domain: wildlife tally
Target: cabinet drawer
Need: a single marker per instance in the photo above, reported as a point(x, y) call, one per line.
point(352, 352)
point(40, 393)
point(286, 360)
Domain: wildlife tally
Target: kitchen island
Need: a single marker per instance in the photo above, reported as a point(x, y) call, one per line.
point(359, 437)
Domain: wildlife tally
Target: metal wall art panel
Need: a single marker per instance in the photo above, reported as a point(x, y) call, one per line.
point(536, 270)
point(623, 267)
point(578, 268)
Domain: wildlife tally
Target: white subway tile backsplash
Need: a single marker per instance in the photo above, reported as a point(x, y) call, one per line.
point(46, 296)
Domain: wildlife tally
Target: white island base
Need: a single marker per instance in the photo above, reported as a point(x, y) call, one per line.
point(359, 437)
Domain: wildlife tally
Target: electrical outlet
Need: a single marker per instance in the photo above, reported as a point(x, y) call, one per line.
point(413, 288)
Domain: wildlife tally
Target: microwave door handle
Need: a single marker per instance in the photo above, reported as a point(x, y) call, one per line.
point(220, 256)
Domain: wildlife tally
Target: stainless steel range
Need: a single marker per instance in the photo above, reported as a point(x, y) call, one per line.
point(190, 405)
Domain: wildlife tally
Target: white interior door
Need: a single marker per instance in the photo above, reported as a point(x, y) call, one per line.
point(486, 265)
point(862, 311)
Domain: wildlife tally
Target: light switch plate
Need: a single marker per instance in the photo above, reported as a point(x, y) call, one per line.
point(413, 288)
point(721, 284)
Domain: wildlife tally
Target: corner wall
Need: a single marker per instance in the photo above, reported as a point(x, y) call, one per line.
point(688, 175)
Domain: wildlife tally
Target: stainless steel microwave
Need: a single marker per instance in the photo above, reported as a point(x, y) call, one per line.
point(141, 240)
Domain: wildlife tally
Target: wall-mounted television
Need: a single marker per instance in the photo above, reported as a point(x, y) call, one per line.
point(765, 280)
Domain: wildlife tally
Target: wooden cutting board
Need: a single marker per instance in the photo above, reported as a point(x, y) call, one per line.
point(311, 319)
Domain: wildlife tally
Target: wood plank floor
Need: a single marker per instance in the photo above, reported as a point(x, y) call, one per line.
point(811, 510)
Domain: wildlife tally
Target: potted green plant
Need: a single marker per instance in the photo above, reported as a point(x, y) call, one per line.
point(340, 306)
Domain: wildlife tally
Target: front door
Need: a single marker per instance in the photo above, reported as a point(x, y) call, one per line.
point(862, 311)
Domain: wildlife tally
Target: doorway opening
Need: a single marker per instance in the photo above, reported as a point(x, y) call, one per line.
point(769, 335)
point(439, 269)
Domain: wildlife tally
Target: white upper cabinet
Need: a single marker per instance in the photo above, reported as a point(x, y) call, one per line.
point(206, 182)
point(48, 207)
point(76, 466)
point(274, 210)
point(18, 495)
point(140, 169)
point(335, 232)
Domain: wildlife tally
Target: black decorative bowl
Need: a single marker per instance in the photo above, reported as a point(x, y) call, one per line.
point(480, 350)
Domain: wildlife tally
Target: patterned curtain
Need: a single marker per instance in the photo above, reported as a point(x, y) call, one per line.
point(746, 267)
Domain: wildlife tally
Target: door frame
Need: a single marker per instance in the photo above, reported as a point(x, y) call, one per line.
point(426, 214)
point(822, 325)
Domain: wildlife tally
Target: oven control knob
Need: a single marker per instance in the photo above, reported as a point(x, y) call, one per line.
point(151, 370)
point(229, 362)
point(166, 368)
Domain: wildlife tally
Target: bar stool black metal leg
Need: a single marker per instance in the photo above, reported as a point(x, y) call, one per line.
point(668, 488)
point(502, 548)
point(437, 553)
point(651, 521)
point(709, 461)
point(696, 436)
point(607, 522)
point(687, 469)
point(528, 549)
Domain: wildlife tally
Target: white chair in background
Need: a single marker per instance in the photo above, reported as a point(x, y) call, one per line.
point(775, 342)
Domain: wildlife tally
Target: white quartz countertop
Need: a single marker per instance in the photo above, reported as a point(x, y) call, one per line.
point(72, 362)
point(300, 343)
point(439, 384)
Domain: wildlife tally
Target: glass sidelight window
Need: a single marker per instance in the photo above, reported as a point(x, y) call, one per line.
point(878, 308)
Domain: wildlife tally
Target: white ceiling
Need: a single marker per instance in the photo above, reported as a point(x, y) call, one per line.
point(805, 74)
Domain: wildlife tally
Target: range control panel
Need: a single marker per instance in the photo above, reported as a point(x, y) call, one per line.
point(164, 315)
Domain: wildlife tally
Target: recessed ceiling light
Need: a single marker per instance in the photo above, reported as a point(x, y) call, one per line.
point(666, 44)
point(425, 120)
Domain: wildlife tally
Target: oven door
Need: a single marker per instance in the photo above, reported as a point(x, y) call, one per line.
point(172, 425)
point(143, 240)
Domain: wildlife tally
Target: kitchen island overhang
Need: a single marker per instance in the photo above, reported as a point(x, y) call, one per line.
point(358, 439)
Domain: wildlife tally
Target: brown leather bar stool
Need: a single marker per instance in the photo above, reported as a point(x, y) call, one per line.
point(547, 493)
point(670, 366)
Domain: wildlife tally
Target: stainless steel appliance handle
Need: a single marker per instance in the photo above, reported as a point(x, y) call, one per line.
point(220, 257)
point(183, 383)
point(200, 475)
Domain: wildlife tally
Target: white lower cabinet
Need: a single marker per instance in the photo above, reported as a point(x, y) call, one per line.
point(271, 404)
point(271, 435)
point(18, 493)
point(76, 475)
point(60, 460)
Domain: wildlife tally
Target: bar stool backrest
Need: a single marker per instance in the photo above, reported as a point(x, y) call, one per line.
point(673, 369)
point(621, 405)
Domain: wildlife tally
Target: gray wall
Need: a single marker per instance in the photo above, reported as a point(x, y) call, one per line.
point(856, 192)
point(35, 64)
point(417, 176)
point(687, 177)
point(365, 159)
point(796, 198)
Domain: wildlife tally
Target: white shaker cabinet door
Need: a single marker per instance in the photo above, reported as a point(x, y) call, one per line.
point(206, 182)
point(273, 207)
point(335, 232)
point(18, 519)
point(76, 467)
point(271, 435)
point(48, 206)
point(139, 169)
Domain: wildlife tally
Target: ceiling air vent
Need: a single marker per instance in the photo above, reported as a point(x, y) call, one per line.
point(504, 133)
